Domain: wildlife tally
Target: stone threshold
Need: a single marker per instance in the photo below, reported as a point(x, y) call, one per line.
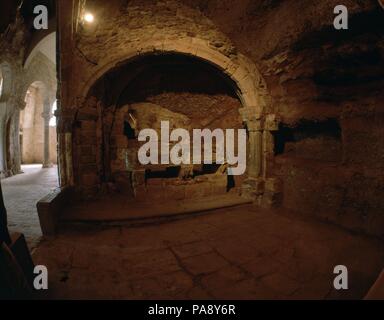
point(112, 210)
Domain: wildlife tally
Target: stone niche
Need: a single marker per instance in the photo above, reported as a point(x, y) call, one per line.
point(158, 181)
point(184, 91)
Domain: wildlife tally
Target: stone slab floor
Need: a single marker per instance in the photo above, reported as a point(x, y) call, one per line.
point(21, 193)
point(237, 253)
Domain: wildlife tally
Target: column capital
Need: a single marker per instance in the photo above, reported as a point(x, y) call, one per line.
point(253, 117)
point(250, 114)
point(255, 125)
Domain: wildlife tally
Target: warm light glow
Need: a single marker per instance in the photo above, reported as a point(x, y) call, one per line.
point(88, 17)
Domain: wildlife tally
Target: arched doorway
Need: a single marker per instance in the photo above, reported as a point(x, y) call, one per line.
point(38, 128)
point(32, 125)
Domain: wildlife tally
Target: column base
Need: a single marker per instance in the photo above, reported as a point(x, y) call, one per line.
point(5, 174)
point(267, 193)
point(253, 189)
point(47, 165)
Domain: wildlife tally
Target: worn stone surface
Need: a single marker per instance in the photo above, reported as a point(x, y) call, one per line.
point(286, 59)
point(310, 97)
point(238, 253)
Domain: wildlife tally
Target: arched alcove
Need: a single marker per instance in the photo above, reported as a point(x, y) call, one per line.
point(186, 90)
point(251, 87)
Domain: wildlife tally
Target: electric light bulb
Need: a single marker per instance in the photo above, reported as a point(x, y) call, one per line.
point(88, 17)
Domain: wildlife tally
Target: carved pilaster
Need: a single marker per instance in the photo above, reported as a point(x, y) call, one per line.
point(253, 119)
point(261, 145)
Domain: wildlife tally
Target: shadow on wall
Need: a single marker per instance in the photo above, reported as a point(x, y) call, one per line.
point(315, 140)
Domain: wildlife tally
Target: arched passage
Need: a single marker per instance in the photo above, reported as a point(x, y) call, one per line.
point(28, 92)
point(39, 92)
point(32, 127)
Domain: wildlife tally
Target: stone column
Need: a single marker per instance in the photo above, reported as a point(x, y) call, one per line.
point(271, 125)
point(255, 134)
point(47, 117)
point(273, 189)
point(254, 184)
point(253, 119)
point(15, 143)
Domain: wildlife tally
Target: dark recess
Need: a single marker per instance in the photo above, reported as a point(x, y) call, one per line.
point(303, 130)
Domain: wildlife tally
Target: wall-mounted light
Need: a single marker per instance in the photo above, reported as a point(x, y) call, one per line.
point(88, 17)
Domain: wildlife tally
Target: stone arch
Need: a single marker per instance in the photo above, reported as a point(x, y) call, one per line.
point(251, 87)
point(40, 70)
point(42, 43)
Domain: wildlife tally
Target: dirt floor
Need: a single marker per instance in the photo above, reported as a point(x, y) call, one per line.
point(234, 253)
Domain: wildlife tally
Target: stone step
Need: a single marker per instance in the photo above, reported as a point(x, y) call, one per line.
point(110, 211)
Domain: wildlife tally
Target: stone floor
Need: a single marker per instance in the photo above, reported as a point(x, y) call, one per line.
point(21, 193)
point(234, 253)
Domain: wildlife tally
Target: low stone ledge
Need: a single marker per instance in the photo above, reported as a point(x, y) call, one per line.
point(50, 207)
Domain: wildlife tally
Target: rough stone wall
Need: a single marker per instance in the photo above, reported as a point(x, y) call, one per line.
point(143, 27)
point(139, 22)
point(316, 77)
point(84, 62)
